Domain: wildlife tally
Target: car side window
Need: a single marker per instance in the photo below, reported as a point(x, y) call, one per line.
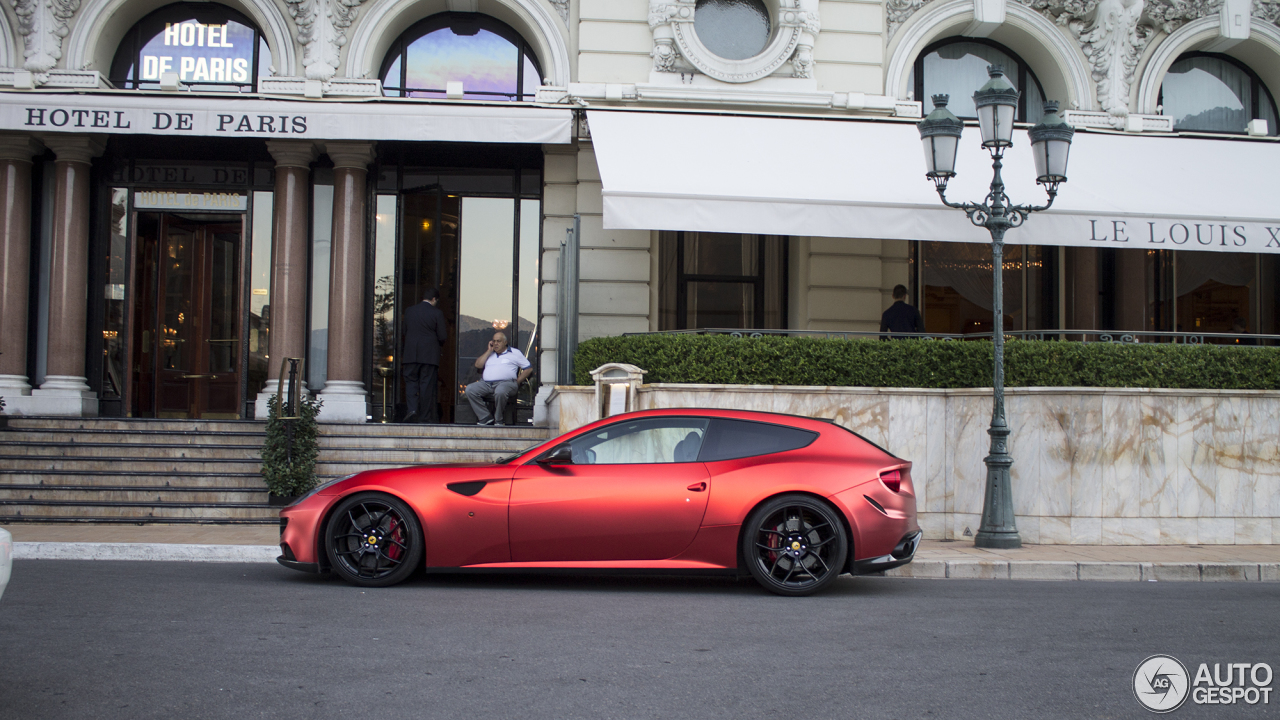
point(647, 440)
point(731, 439)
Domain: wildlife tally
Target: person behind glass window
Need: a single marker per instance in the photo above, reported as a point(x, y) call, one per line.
point(504, 369)
point(901, 317)
point(424, 334)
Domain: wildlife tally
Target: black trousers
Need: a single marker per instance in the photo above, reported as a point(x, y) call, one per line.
point(420, 390)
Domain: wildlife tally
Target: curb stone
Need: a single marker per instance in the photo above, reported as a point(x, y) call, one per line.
point(144, 551)
point(926, 568)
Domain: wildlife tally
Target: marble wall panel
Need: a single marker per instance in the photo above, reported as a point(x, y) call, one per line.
point(1197, 484)
point(1130, 531)
point(1085, 443)
point(968, 418)
point(1055, 530)
point(908, 438)
point(1028, 528)
point(1178, 531)
point(1086, 531)
point(936, 454)
point(1234, 493)
point(1216, 531)
point(1158, 456)
point(1262, 446)
point(1052, 422)
point(1024, 445)
point(1253, 531)
point(1120, 457)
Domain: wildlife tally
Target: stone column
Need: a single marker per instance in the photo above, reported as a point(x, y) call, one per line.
point(65, 390)
point(344, 394)
point(16, 152)
point(289, 268)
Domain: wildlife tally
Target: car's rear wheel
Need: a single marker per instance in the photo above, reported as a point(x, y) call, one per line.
point(795, 545)
point(373, 540)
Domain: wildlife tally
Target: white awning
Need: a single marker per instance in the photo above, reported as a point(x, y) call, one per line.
point(211, 116)
point(865, 179)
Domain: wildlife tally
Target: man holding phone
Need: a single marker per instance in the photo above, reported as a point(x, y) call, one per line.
point(504, 369)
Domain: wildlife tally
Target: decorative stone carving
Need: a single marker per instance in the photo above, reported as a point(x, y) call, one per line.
point(1267, 10)
point(1112, 43)
point(664, 51)
point(562, 9)
point(43, 24)
point(898, 11)
point(1169, 15)
point(676, 44)
point(322, 31)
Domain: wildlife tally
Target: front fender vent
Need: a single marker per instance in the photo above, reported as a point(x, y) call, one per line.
point(469, 488)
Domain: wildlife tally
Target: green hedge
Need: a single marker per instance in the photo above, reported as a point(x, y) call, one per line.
point(776, 360)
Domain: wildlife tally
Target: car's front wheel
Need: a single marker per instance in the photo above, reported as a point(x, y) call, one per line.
point(795, 545)
point(373, 540)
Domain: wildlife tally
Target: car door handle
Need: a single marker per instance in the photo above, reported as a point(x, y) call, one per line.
point(697, 487)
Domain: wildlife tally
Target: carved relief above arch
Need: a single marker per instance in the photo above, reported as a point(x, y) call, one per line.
point(1055, 57)
point(1261, 52)
point(101, 25)
point(537, 21)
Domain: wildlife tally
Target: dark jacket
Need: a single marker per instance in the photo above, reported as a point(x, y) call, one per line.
point(424, 333)
point(901, 317)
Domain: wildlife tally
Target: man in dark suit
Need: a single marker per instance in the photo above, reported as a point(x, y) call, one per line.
point(900, 317)
point(424, 334)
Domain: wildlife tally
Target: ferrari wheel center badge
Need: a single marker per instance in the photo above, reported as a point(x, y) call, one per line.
point(795, 545)
point(373, 540)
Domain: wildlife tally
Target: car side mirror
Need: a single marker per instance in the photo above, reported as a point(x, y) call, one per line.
point(561, 454)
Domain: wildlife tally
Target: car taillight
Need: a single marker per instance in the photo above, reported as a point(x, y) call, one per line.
point(892, 479)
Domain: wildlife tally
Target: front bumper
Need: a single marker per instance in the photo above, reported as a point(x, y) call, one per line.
point(302, 566)
point(903, 553)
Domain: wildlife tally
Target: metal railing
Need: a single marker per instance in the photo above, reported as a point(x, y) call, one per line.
point(1083, 336)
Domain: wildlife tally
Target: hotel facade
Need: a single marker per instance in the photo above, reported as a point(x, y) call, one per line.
point(191, 193)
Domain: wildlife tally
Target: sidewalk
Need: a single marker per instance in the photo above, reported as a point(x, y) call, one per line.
point(935, 559)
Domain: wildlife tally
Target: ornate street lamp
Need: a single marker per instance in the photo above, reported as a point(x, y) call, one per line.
point(997, 103)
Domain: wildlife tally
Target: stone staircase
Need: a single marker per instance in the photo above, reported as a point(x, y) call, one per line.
point(101, 470)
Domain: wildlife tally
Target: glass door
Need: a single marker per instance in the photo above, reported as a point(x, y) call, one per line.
point(188, 359)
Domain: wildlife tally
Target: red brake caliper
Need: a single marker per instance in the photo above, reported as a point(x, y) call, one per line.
point(396, 534)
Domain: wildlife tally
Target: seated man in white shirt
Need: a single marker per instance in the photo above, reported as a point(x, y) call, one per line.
point(504, 369)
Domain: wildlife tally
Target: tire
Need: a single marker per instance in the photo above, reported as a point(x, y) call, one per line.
point(795, 545)
point(373, 540)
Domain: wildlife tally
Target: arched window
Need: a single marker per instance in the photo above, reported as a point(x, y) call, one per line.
point(490, 59)
point(958, 67)
point(1215, 93)
point(210, 47)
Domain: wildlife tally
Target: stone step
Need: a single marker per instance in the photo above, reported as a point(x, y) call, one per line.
point(394, 441)
point(27, 422)
point(130, 437)
point(149, 452)
point(34, 510)
point(201, 466)
point(8, 519)
point(58, 478)
point(126, 494)
point(419, 430)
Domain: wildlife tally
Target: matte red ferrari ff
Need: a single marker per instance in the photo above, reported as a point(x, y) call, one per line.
point(794, 501)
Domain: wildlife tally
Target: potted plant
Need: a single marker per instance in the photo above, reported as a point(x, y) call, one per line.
point(290, 450)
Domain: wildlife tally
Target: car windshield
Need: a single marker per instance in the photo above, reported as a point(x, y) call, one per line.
point(508, 458)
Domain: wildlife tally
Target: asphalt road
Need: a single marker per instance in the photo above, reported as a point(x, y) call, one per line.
point(135, 640)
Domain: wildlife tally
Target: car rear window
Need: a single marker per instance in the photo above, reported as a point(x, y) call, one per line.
point(730, 439)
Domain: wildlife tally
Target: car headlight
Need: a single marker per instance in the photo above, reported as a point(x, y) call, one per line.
point(320, 487)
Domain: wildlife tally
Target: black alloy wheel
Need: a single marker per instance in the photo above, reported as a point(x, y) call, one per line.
point(795, 545)
point(373, 540)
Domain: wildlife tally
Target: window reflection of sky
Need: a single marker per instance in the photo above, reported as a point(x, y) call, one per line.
point(484, 62)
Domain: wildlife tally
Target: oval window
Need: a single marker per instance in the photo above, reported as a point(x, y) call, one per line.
point(209, 47)
point(732, 29)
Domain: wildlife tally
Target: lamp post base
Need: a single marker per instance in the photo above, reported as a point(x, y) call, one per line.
point(997, 540)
